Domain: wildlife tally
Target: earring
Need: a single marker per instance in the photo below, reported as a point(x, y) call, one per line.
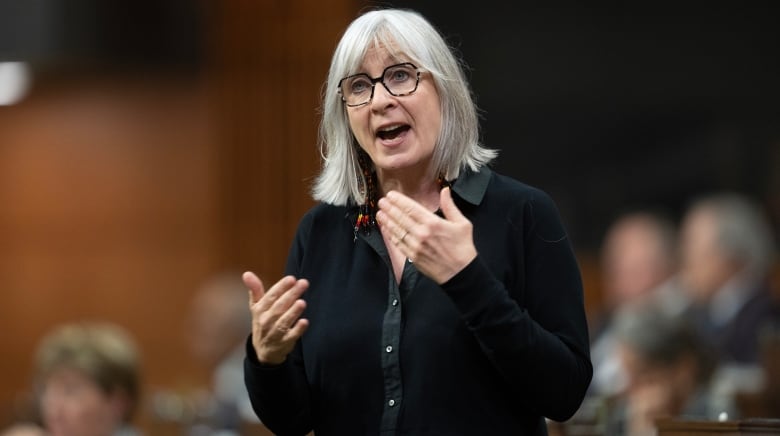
point(366, 218)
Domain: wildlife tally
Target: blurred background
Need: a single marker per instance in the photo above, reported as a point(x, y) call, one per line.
point(147, 146)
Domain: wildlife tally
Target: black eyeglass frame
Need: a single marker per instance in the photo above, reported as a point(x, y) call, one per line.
point(380, 79)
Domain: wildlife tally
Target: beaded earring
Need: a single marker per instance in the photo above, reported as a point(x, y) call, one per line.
point(442, 182)
point(366, 218)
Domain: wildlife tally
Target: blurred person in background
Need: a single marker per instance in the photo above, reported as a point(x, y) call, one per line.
point(638, 261)
point(216, 333)
point(668, 367)
point(727, 249)
point(87, 382)
point(24, 429)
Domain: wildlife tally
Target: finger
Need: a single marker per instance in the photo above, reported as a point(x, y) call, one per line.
point(298, 329)
point(448, 206)
point(401, 216)
point(390, 227)
point(290, 296)
point(255, 285)
point(286, 322)
point(403, 209)
point(277, 290)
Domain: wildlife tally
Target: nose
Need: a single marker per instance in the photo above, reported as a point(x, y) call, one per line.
point(382, 98)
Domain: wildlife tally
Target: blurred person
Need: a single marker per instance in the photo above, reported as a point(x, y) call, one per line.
point(217, 326)
point(440, 297)
point(727, 248)
point(24, 429)
point(668, 367)
point(638, 261)
point(87, 382)
point(638, 256)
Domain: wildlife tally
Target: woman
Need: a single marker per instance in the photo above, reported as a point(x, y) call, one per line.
point(88, 381)
point(441, 298)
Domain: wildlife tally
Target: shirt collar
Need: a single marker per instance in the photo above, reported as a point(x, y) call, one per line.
point(471, 185)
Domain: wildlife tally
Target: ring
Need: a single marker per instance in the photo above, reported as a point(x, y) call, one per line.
point(404, 236)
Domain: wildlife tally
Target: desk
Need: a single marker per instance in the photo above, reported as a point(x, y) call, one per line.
point(753, 427)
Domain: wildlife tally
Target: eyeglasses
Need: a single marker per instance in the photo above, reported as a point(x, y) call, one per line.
point(398, 80)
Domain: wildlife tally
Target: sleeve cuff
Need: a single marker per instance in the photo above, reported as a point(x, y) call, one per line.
point(473, 288)
point(251, 358)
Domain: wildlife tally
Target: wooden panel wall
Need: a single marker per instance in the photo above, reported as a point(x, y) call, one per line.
point(272, 66)
point(119, 194)
point(107, 212)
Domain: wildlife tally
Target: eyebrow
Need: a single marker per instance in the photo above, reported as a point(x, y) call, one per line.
point(387, 63)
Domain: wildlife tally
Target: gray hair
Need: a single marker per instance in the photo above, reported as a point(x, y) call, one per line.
point(743, 230)
point(406, 34)
point(660, 337)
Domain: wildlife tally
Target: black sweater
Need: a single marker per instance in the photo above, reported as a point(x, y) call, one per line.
point(493, 351)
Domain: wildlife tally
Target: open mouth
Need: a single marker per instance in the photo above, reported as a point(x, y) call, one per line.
point(392, 132)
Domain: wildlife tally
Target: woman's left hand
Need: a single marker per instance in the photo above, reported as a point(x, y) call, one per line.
point(439, 247)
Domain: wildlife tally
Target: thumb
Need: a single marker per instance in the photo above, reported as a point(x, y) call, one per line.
point(255, 285)
point(448, 207)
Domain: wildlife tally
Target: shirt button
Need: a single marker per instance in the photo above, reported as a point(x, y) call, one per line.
point(391, 403)
point(395, 302)
point(389, 348)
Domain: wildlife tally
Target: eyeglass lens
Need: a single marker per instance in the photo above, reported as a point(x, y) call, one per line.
point(398, 79)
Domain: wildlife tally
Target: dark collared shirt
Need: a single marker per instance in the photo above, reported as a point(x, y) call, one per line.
point(493, 351)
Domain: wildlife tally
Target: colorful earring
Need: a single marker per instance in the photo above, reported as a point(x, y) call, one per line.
point(366, 218)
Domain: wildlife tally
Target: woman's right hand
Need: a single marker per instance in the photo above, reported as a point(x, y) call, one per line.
point(276, 321)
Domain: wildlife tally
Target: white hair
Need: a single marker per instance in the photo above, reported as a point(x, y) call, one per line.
point(743, 230)
point(406, 34)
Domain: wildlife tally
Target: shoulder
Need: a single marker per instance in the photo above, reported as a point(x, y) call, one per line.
point(511, 188)
point(323, 214)
point(507, 192)
point(493, 188)
point(319, 228)
point(530, 207)
point(322, 218)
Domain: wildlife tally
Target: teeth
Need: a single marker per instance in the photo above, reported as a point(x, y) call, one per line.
point(389, 128)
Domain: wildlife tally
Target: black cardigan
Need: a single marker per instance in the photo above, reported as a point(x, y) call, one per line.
point(493, 351)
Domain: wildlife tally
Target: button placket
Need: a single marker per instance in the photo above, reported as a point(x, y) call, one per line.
point(391, 368)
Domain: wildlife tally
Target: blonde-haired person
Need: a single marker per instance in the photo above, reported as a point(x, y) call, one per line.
point(87, 376)
point(441, 298)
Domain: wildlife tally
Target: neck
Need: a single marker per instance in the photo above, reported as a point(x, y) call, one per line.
point(420, 187)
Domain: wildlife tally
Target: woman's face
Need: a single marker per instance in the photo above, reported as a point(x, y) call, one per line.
point(398, 133)
point(73, 405)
